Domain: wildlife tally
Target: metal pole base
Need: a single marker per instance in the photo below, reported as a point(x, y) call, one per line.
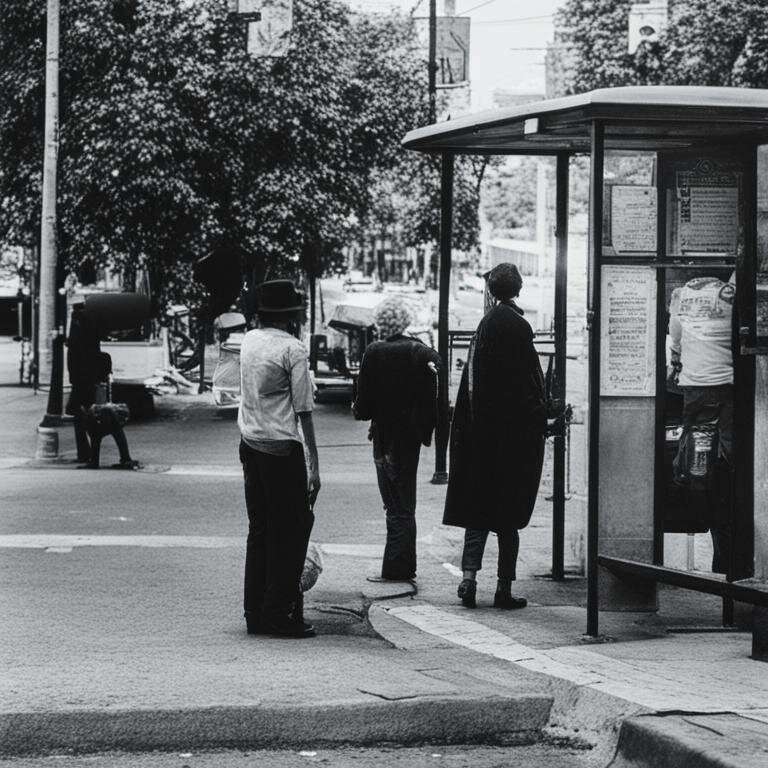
point(47, 443)
point(439, 478)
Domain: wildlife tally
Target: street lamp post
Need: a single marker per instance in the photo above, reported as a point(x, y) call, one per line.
point(432, 64)
point(51, 320)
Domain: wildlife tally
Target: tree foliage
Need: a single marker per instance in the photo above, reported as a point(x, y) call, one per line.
point(707, 42)
point(175, 144)
point(509, 197)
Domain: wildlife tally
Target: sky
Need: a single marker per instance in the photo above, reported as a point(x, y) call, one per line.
point(502, 32)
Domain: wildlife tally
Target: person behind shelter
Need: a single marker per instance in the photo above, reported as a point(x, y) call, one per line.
point(397, 391)
point(276, 395)
point(84, 365)
point(497, 439)
point(89, 374)
point(701, 328)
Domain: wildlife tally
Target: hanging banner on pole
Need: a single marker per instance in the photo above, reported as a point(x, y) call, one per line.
point(271, 36)
point(452, 48)
point(245, 10)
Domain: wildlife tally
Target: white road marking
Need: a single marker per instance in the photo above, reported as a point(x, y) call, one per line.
point(330, 478)
point(353, 550)
point(56, 542)
point(679, 683)
point(359, 476)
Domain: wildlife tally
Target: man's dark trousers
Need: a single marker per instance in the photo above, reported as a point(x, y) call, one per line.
point(397, 461)
point(279, 524)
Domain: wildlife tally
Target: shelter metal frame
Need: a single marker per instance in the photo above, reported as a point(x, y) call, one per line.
point(646, 118)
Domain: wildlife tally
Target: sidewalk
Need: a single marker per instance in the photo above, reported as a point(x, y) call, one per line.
point(172, 667)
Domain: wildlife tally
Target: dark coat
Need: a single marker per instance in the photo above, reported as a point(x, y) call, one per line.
point(397, 391)
point(85, 360)
point(497, 439)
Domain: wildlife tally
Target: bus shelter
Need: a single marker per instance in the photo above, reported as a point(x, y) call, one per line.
point(678, 239)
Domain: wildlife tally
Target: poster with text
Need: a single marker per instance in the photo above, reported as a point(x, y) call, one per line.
point(708, 209)
point(628, 332)
point(633, 218)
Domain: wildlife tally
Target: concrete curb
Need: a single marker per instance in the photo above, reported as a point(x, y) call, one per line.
point(692, 741)
point(517, 719)
point(579, 715)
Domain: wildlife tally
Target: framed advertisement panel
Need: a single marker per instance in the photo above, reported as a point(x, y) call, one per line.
point(704, 205)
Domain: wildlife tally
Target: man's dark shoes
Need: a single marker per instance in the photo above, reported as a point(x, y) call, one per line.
point(386, 579)
point(508, 602)
point(128, 464)
point(467, 593)
point(286, 626)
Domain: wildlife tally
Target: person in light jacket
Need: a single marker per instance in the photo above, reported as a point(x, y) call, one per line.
point(280, 489)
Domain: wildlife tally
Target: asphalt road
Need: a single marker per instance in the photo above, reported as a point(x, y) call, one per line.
point(191, 483)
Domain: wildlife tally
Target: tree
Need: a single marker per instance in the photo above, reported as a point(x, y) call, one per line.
point(509, 197)
point(176, 145)
point(723, 42)
point(707, 42)
point(591, 39)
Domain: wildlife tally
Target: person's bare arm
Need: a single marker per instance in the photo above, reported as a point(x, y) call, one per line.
point(313, 480)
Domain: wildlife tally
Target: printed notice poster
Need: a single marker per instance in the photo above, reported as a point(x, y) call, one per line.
point(633, 218)
point(708, 209)
point(628, 332)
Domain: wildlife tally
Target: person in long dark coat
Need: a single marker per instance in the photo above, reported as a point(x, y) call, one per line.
point(397, 391)
point(497, 439)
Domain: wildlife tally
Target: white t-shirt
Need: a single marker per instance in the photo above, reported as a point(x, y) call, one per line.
point(275, 386)
point(700, 329)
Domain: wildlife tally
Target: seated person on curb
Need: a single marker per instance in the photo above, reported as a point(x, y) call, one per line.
point(90, 370)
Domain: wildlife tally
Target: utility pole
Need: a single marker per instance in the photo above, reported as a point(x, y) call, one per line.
point(51, 332)
point(432, 64)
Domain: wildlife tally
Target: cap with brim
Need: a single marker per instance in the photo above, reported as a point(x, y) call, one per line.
point(278, 296)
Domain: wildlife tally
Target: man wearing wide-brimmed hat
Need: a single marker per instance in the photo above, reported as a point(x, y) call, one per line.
point(280, 490)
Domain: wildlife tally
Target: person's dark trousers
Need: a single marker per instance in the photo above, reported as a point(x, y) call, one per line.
point(81, 398)
point(279, 524)
point(474, 546)
point(397, 462)
point(701, 405)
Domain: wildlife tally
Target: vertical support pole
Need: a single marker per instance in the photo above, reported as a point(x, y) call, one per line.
point(593, 324)
point(561, 338)
point(446, 239)
point(432, 64)
point(48, 254)
point(659, 494)
point(34, 295)
point(742, 470)
point(51, 332)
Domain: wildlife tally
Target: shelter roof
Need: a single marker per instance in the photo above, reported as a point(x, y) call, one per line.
point(635, 118)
